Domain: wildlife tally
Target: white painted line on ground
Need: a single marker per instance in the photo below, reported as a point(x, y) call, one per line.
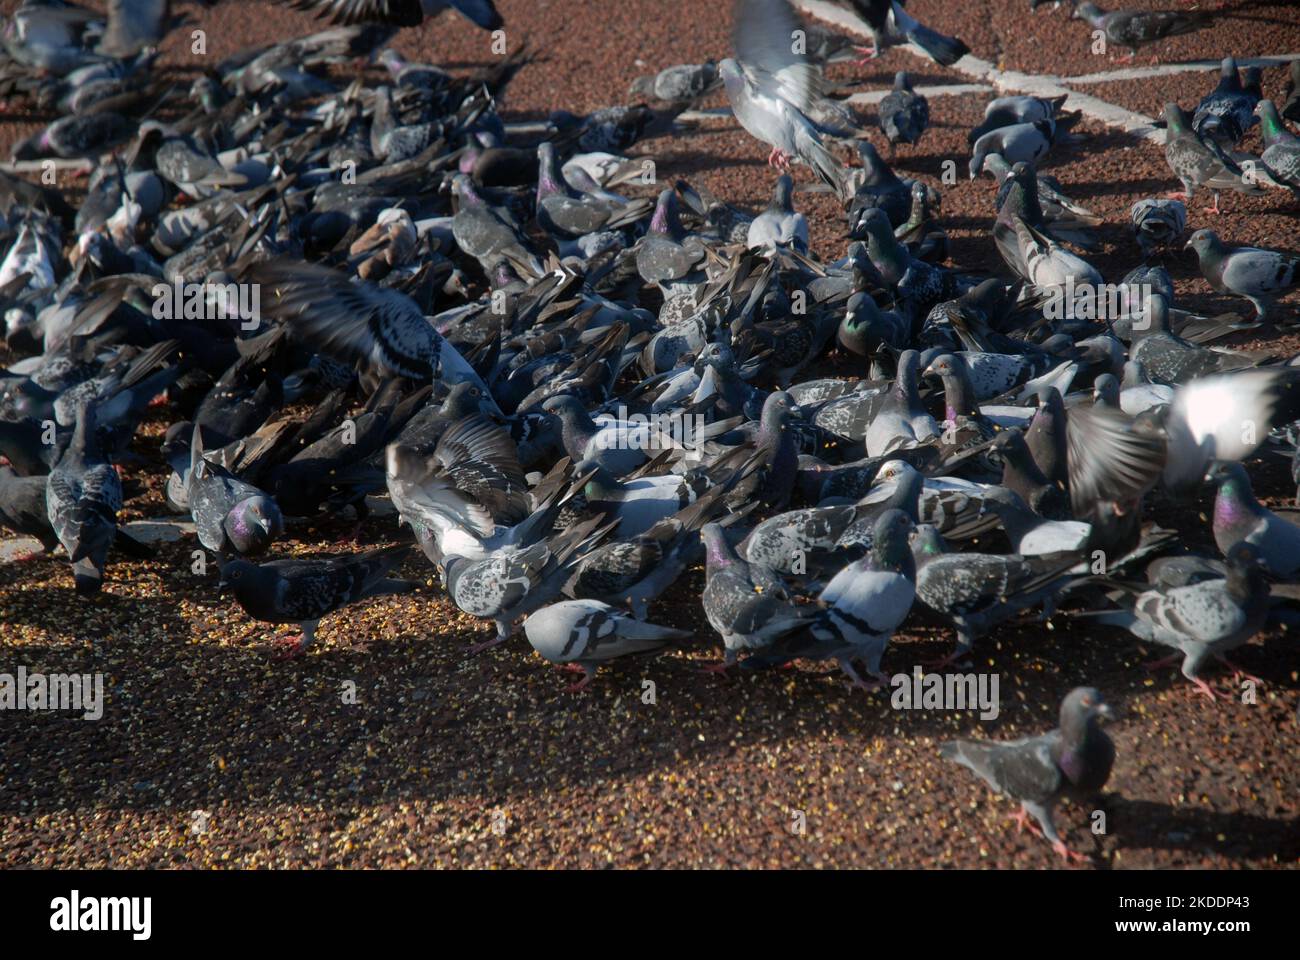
point(1171, 69)
point(1006, 80)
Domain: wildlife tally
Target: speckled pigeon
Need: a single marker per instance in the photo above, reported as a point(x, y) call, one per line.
point(303, 591)
point(1261, 276)
point(1206, 619)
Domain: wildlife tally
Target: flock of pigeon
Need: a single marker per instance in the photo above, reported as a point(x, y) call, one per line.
point(573, 392)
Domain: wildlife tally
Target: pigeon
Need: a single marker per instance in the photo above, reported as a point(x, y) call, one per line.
point(1158, 223)
point(1281, 156)
point(1261, 276)
point(869, 599)
point(401, 13)
point(747, 604)
point(1228, 112)
point(876, 186)
point(978, 591)
point(230, 516)
point(1240, 518)
point(681, 83)
point(82, 497)
point(904, 113)
point(379, 327)
point(587, 633)
point(134, 25)
point(22, 507)
point(1137, 28)
point(780, 225)
point(1018, 143)
point(1167, 357)
point(890, 25)
point(513, 582)
point(1291, 106)
point(303, 591)
point(902, 420)
point(666, 253)
point(1006, 111)
point(1202, 620)
point(1198, 164)
point(1073, 761)
point(772, 89)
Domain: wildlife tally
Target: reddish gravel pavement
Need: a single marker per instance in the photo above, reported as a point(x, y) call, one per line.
point(212, 755)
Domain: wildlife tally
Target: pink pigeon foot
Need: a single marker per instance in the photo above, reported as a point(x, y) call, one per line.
point(1068, 855)
point(1162, 662)
point(289, 648)
point(1203, 688)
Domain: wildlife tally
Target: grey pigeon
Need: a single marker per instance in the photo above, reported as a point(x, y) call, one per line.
point(401, 13)
point(1018, 143)
point(1005, 111)
point(380, 327)
point(978, 591)
point(780, 225)
point(303, 591)
point(1261, 276)
point(1158, 223)
point(82, 497)
point(869, 599)
point(1200, 164)
point(513, 582)
point(1227, 112)
point(1073, 761)
point(904, 113)
point(1136, 28)
point(1240, 518)
point(747, 604)
point(1203, 620)
point(1281, 156)
point(890, 24)
point(772, 88)
point(586, 633)
point(683, 82)
point(229, 514)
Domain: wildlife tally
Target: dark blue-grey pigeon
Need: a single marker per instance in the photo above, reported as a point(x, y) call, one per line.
point(1073, 761)
point(230, 515)
point(303, 591)
point(82, 497)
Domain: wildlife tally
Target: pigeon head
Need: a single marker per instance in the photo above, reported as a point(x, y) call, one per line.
point(252, 524)
point(777, 409)
point(944, 365)
point(891, 547)
point(1086, 11)
point(717, 552)
point(664, 221)
point(782, 192)
point(902, 81)
point(1247, 569)
point(732, 76)
point(1204, 242)
point(1082, 708)
point(995, 165)
point(1175, 119)
point(872, 224)
point(1105, 391)
point(243, 579)
point(926, 542)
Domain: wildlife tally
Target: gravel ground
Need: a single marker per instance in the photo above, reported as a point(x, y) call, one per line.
point(387, 747)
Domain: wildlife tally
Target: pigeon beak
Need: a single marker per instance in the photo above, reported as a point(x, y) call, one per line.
point(1104, 710)
point(222, 587)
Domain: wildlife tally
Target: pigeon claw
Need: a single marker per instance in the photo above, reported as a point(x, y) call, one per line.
point(289, 648)
point(1204, 690)
point(1068, 855)
point(868, 54)
point(1023, 822)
